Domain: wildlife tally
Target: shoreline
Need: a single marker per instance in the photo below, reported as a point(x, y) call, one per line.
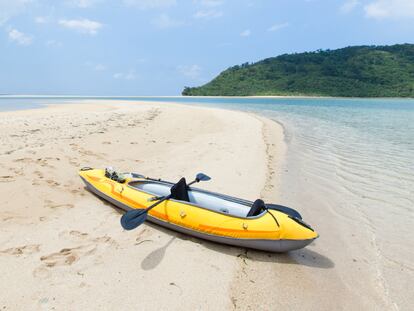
point(19, 102)
point(138, 97)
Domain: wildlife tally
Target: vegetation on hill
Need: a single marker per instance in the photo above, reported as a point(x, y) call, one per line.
point(359, 71)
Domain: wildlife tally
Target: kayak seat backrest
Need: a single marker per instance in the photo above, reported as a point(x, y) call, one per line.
point(257, 207)
point(207, 200)
point(180, 191)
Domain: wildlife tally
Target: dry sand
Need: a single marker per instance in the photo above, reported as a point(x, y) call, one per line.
point(63, 248)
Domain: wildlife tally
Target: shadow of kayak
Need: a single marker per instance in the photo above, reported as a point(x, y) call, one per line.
point(304, 256)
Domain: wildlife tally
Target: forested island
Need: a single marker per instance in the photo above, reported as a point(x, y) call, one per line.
point(357, 71)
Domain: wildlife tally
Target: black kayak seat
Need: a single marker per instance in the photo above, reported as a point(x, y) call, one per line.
point(284, 209)
point(257, 207)
point(179, 191)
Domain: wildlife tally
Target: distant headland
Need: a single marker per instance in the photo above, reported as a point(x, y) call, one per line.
point(357, 71)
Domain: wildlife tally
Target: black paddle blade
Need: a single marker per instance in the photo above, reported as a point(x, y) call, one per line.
point(132, 219)
point(202, 177)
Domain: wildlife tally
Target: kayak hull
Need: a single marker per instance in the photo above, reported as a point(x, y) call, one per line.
point(264, 244)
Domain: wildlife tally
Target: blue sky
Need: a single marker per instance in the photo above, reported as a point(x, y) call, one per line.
point(156, 47)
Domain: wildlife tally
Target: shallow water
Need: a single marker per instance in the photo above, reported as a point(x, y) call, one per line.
point(353, 162)
point(352, 159)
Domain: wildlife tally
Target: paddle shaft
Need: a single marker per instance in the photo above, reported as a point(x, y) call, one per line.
point(155, 204)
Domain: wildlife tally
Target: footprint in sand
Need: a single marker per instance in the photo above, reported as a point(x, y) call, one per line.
point(51, 204)
point(6, 178)
point(52, 183)
point(17, 171)
point(74, 191)
point(73, 161)
point(23, 160)
point(86, 152)
point(78, 234)
point(153, 114)
point(60, 205)
point(38, 174)
point(106, 240)
point(33, 131)
point(145, 233)
point(35, 182)
point(74, 235)
point(67, 256)
point(4, 219)
point(21, 250)
point(43, 162)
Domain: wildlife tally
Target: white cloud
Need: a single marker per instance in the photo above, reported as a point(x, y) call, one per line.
point(277, 27)
point(390, 9)
point(82, 3)
point(150, 4)
point(349, 5)
point(130, 75)
point(190, 71)
point(164, 21)
point(85, 26)
point(53, 44)
point(208, 14)
point(19, 37)
point(246, 33)
point(10, 8)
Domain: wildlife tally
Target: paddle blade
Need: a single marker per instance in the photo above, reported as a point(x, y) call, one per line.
point(202, 177)
point(132, 219)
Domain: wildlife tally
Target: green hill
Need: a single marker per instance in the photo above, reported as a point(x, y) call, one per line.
point(359, 71)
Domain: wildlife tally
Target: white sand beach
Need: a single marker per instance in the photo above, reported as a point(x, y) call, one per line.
point(63, 248)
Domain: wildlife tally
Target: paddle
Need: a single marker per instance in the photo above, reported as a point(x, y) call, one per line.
point(134, 218)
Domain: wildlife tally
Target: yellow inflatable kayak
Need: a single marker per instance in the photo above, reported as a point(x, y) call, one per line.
point(203, 214)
